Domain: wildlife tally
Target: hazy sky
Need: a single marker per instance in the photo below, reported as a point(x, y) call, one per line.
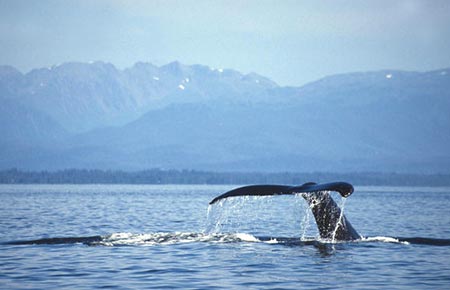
point(291, 42)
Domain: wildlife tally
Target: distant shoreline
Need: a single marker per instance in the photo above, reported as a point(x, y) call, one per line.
point(160, 176)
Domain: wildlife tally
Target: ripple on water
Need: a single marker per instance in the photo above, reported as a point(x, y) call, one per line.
point(261, 244)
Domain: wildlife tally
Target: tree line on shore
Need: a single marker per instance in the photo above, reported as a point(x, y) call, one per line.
point(160, 176)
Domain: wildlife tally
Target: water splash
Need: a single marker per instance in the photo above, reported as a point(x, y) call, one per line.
point(382, 239)
point(231, 214)
point(260, 215)
point(341, 205)
point(305, 224)
point(164, 238)
point(304, 213)
point(176, 238)
point(152, 239)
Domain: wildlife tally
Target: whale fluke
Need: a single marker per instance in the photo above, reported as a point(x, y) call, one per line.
point(258, 190)
point(330, 220)
point(345, 189)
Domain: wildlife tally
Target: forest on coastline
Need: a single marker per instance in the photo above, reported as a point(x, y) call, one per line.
point(160, 176)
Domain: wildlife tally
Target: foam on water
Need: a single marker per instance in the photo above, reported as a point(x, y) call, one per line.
point(164, 238)
point(382, 239)
point(152, 239)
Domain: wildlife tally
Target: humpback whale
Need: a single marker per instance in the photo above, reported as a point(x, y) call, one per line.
point(331, 222)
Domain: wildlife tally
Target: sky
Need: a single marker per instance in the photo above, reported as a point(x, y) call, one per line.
point(291, 42)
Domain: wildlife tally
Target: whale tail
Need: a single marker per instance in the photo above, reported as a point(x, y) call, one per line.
point(330, 220)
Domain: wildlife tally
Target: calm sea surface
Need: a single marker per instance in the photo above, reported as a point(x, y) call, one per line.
point(165, 236)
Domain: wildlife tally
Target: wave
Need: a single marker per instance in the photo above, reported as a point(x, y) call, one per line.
point(162, 238)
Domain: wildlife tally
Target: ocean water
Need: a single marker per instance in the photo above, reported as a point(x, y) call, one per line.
point(166, 237)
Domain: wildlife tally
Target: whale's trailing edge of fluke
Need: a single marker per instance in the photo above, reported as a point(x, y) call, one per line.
point(330, 220)
point(345, 189)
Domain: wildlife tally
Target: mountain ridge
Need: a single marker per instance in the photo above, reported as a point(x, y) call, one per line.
point(104, 95)
point(93, 115)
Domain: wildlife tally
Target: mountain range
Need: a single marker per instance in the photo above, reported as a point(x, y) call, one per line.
point(93, 115)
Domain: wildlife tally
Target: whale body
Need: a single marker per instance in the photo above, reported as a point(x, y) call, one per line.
point(331, 222)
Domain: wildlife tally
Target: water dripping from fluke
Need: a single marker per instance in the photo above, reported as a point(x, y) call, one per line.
point(331, 222)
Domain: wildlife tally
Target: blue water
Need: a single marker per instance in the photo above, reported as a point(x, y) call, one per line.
point(166, 237)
